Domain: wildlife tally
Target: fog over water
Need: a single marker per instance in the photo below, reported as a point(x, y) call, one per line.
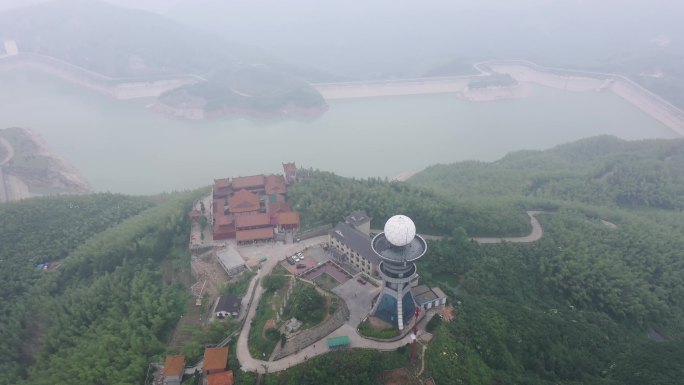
point(122, 146)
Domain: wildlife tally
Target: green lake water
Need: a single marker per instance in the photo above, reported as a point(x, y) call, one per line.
point(120, 146)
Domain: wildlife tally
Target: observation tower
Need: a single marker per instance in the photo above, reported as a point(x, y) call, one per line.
point(398, 247)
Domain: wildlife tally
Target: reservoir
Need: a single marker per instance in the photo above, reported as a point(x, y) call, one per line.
point(120, 146)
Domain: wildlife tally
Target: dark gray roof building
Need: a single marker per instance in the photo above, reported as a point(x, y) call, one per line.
point(228, 303)
point(355, 240)
point(357, 218)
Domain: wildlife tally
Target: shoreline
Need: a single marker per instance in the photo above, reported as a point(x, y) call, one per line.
point(524, 72)
point(16, 182)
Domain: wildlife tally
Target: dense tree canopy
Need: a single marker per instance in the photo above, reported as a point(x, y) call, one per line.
point(598, 300)
point(105, 311)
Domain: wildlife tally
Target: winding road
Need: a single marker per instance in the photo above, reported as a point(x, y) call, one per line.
point(251, 364)
point(535, 235)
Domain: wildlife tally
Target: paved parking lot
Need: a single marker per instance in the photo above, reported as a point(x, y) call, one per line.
point(332, 270)
point(358, 298)
point(308, 262)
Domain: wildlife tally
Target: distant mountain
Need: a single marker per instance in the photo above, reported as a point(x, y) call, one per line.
point(601, 171)
point(130, 44)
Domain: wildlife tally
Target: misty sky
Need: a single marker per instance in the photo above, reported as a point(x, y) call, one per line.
point(385, 38)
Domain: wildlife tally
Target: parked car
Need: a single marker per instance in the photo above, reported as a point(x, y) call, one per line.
point(301, 266)
point(361, 281)
point(290, 261)
point(300, 255)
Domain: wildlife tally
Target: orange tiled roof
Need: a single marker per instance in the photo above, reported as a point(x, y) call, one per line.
point(289, 167)
point(278, 207)
point(224, 220)
point(248, 181)
point(219, 204)
point(252, 220)
point(254, 235)
point(174, 366)
point(275, 184)
point(222, 183)
point(288, 218)
point(243, 201)
point(223, 378)
point(215, 358)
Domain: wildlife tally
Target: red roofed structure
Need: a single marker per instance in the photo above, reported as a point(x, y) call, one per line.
point(215, 360)
point(174, 366)
point(288, 220)
point(224, 227)
point(251, 183)
point(290, 172)
point(223, 378)
point(275, 184)
point(255, 235)
point(222, 188)
point(219, 206)
point(245, 204)
point(278, 207)
point(242, 202)
point(253, 221)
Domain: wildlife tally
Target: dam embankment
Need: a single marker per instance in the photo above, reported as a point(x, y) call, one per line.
point(585, 81)
point(524, 73)
point(117, 88)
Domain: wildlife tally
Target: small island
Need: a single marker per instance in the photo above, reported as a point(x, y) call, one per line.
point(257, 91)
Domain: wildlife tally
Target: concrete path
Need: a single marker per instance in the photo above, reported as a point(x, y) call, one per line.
point(251, 364)
point(535, 235)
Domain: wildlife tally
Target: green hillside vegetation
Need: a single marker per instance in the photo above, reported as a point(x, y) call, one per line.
point(590, 303)
point(361, 367)
point(259, 89)
point(327, 198)
point(102, 315)
point(602, 171)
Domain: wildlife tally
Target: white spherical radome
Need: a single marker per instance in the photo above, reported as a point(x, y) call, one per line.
point(400, 230)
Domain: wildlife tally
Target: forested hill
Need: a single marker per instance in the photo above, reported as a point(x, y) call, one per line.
point(101, 309)
point(599, 299)
point(116, 42)
point(601, 171)
point(133, 45)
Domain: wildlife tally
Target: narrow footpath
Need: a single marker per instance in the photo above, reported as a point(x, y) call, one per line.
point(536, 234)
point(251, 364)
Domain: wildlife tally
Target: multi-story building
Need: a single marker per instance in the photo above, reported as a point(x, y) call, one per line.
point(351, 243)
point(252, 208)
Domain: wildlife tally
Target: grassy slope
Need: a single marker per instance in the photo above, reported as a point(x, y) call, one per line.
point(573, 308)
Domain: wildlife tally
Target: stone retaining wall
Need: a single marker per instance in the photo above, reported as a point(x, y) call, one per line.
point(311, 336)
